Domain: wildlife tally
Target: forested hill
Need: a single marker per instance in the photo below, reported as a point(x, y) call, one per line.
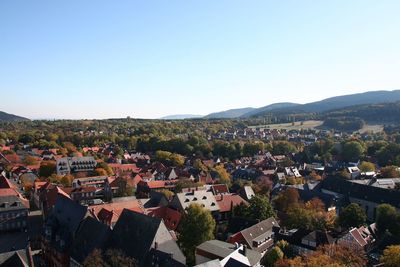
point(11, 117)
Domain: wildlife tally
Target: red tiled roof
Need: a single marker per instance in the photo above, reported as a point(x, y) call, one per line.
point(8, 192)
point(170, 216)
point(159, 184)
point(124, 167)
point(220, 189)
point(226, 202)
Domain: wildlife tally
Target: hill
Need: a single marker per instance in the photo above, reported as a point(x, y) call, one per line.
point(269, 108)
point(181, 117)
point(11, 117)
point(338, 102)
point(229, 114)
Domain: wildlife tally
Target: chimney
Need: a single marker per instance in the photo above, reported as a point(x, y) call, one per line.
point(243, 250)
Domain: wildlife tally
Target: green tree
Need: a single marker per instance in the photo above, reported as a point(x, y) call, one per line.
point(352, 151)
point(391, 256)
point(366, 166)
point(387, 218)
point(273, 256)
point(259, 208)
point(352, 216)
point(197, 226)
point(124, 189)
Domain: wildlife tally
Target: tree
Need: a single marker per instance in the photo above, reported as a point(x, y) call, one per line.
point(391, 256)
point(111, 258)
point(100, 172)
point(106, 167)
point(30, 160)
point(367, 166)
point(352, 216)
point(116, 258)
point(387, 218)
point(298, 217)
point(47, 168)
point(259, 208)
point(124, 189)
point(390, 172)
point(272, 256)
point(352, 151)
point(95, 259)
point(197, 226)
point(223, 175)
point(177, 159)
point(286, 199)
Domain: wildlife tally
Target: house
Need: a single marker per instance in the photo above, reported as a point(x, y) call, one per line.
point(219, 189)
point(305, 241)
point(226, 203)
point(69, 165)
point(219, 253)
point(170, 217)
point(109, 213)
point(206, 199)
point(124, 168)
point(362, 238)
point(247, 192)
point(259, 237)
point(145, 187)
point(92, 187)
point(368, 197)
point(60, 230)
point(145, 239)
point(13, 210)
point(91, 235)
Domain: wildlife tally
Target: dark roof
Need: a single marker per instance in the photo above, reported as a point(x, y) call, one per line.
point(69, 213)
point(134, 234)
point(237, 224)
point(361, 191)
point(17, 258)
point(91, 234)
point(163, 259)
point(137, 234)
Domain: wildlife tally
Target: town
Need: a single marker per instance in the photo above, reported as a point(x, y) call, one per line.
point(197, 193)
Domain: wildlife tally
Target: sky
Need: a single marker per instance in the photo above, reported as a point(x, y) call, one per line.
point(146, 59)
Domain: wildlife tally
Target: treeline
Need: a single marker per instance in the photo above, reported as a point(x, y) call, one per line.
point(344, 124)
point(374, 113)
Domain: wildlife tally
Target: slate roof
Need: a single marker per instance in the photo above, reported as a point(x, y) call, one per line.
point(69, 213)
point(361, 191)
point(91, 234)
point(133, 226)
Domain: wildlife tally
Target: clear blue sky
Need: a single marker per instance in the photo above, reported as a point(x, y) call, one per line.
point(102, 59)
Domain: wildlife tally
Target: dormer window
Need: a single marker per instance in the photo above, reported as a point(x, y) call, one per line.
point(204, 197)
point(195, 199)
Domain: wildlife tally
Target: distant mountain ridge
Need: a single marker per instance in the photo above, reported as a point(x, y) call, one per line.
point(318, 107)
point(338, 102)
point(11, 117)
point(229, 114)
point(181, 117)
